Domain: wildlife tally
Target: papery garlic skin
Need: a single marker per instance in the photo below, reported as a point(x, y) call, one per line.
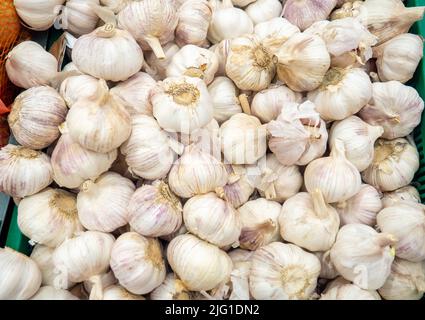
point(341, 289)
point(119, 293)
point(221, 50)
point(23, 171)
point(49, 217)
point(78, 17)
point(199, 265)
point(157, 68)
point(363, 256)
point(154, 211)
point(242, 3)
point(115, 5)
point(38, 15)
point(104, 280)
point(78, 87)
point(224, 95)
point(29, 65)
point(171, 289)
point(239, 277)
point(137, 263)
point(284, 272)
point(223, 225)
point(327, 270)
point(71, 67)
point(264, 10)
point(407, 193)
point(52, 293)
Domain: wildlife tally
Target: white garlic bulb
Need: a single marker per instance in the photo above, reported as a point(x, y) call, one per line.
point(49, 217)
point(363, 256)
point(407, 193)
point(361, 208)
point(187, 99)
point(40, 14)
point(406, 221)
point(193, 61)
point(394, 106)
point(358, 137)
point(242, 3)
point(92, 54)
point(320, 221)
point(393, 166)
point(298, 135)
point(335, 176)
point(115, 5)
point(327, 270)
point(303, 62)
point(79, 17)
point(224, 96)
point(78, 87)
point(264, 10)
point(283, 272)
point(341, 289)
point(171, 289)
point(104, 280)
point(36, 115)
point(29, 65)
point(157, 68)
point(221, 50)
point(20, 276)
point(223, 226)
point(52, 293)
point(239, 276)
point(23, 171)
point(137, 263)
point(116, 292)
point(154, 211)
point(71, 67)
point(199, 265)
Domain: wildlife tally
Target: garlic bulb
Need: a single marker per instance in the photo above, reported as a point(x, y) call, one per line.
point(72, 164)
point(20, 276)
point(78, 87)
point(38, 15)
point(151, 23)
point(149, 152)
point(52, 293)
point(393, 166)
point(298, 135)
point(157, 68)
point(243, 139)
point(115, 5)
point(327, 270)
point(349, 8)
point(342, 93)
point(134, 93)
point(99, 123)
point(92, 54)
point(407, 193)
point(224, 96)
point(137, 263)
point(394, 106)
point(363, 256)
point(29, 65)
point(79, 17)
point(154, 211)
point(304, 13)
point(119, 293)
point(341, 289)
point(71, 67)
point(264, 10)
point(335, 176)
point(250, 64)
point(358, 138)
point(171, 289)
point(49, 217)
point(405, 282)
point(242, 3)
point(398, 58)
point(406, 221)
point(223, 226)
point(239, 276)
point(179, 232)
point(23, 171)
point(193, 61)
point(187, 99)
point(36, 115)
point(361, 208)
point(105, 280)
point(303, 62)
point(199, 265)
point(221, 50)
point(320, 221)
point(283, 272)
point(194, 19)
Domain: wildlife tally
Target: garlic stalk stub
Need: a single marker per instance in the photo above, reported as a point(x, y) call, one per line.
point(224, 95)
point(407, 193)
point(52, 293)
point(341, 289)
point(78, 87)
point(171, 289)
point(38, 15)
point(105, 280)
point(263, 10)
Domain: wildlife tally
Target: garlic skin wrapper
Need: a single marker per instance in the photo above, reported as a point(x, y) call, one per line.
point(283, 272)
point(99, 123)
point(171, 289)
point(49, 217)
point(193, 61)
point(358, 138)
point(92, 54)
point(151, 23)
point(116, 292)
point(36, 115)
point(298, 135)
point(341, 289)
point(394, 106)
point(239, 276)
point(361, 208)
point(264, 10)
point(327, 270)
point(38, 15)
point(221, 50)
point(363, 256)
point(158, 67)
point(102, 204)
point(303, 62)
point(393, 166)
point(78, 87)
point(72, 164)
point(349, 8)
point(405, 282)
point(224, 95)
point(199, 265)
point(221, 228)
point(250, 64)
point(407, 193)
point(243, 139)
point(137, 263)
point(29, 65)
point(406, 221)
point(187, 99)
point(52, 293)
point(259, 220)
point(335, 176)
point(154, 211)
point(105, 280)
point(23, 171)
point(115, 5)
point(20, 276)
point(320, 221)
point(79, 17)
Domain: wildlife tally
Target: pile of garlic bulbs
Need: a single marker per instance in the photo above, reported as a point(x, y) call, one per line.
point(199, 149)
